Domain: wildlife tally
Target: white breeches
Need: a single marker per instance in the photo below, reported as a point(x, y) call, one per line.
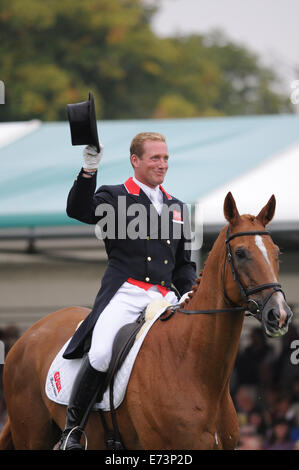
point(124, 307)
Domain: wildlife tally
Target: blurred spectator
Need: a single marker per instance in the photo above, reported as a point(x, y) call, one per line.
point(250, 439)
point(257, 419)
point(283, 409)
point(279, 436)
point(250, 414)
point(285, 371)
point(254, 364)
point(294, 394)
point(9, 336)
point(3, 414)
point(295, 390)
point(244, 401)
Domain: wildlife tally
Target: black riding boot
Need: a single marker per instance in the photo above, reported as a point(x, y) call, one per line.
point(87, 389)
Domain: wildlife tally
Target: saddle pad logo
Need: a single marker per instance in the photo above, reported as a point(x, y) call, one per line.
point(57, 381)
point(177, 215)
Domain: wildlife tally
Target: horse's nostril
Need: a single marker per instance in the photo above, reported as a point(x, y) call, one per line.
point(272, 317)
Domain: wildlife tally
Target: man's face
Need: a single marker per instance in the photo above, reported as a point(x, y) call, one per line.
point(152, 167)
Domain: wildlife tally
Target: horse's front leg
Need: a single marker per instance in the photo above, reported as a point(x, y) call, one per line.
point(227, 424)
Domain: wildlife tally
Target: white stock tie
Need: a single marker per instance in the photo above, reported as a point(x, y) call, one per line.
point(155, 200)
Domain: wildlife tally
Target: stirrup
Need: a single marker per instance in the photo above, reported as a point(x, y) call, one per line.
point(68, 436)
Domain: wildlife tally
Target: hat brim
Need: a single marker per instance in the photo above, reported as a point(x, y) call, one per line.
point(93, 122)
point(83, 123)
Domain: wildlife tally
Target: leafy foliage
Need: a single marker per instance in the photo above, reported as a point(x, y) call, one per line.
point(53, 52)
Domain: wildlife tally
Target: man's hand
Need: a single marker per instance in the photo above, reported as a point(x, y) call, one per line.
point(92, 158)
point(184, 297)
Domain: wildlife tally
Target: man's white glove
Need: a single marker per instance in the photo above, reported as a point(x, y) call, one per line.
point(184, 297)
point(91, 157)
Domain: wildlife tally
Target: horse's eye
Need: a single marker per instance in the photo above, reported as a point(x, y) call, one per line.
point(240, 253)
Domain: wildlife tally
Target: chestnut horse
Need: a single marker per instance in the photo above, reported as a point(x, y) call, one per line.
point(178, 395)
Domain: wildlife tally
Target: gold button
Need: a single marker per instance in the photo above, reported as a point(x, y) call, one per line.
point(149, 258)
point(166, 261)
point(168, 242)
point(147, 279)
point(162, 283)
point(148, 238)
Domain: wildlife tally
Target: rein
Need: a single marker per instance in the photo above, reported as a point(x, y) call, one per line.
point(252, 307)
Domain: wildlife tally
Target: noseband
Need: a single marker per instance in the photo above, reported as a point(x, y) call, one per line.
point(251, 306)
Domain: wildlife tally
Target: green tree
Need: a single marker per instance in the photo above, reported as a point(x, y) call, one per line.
point(175, 106)
point(53, 52)
point(247, 87)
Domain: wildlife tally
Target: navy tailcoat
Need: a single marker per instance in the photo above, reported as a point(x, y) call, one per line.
point(158, 255)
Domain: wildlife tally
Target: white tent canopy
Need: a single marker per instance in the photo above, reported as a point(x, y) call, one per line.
point(11, 131)
point(278, 175)
point(252, 156)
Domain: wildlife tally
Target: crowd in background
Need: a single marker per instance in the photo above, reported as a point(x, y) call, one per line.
point(264, 388)
point(265, 391)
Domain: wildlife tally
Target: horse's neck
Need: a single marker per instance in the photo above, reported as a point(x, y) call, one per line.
point(209, 294)
point(214, 338)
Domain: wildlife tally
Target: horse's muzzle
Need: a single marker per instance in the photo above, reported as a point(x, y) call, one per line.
point(276, 316)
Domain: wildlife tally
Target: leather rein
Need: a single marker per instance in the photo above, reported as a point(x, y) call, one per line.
point(251, 306)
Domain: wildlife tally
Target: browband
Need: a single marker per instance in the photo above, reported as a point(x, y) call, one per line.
point(243, 234)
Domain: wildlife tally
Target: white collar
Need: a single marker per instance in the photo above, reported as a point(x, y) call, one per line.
point(148, 191)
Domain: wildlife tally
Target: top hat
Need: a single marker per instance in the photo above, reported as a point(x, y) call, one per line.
point(83, 123)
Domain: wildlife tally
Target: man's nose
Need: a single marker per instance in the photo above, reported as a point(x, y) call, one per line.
point(163, 164)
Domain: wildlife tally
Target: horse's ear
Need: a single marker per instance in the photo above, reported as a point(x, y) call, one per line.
point(267, 213)
point(230, 210)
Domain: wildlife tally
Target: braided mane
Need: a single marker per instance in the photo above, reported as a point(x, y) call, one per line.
point(194, 289)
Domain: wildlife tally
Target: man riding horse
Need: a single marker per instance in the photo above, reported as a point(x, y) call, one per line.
point(140, 268)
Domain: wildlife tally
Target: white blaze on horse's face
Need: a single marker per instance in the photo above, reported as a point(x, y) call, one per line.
point(279, 297)
point(261, 246)
point(283, 315)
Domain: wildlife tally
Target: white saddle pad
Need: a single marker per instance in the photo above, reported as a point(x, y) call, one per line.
point(62, 371)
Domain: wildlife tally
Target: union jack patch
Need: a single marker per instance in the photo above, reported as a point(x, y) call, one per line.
point(177, 215)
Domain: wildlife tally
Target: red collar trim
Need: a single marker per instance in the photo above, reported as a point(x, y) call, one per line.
point(166, 194)
point(134, 189)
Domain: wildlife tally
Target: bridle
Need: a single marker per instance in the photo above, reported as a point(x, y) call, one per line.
point(251, 306)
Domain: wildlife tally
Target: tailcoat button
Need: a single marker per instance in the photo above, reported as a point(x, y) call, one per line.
point(166, 261)
point(147, 279)
point(149, 258)
point(168, 242)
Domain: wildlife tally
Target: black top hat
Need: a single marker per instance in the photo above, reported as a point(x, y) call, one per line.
point(83, 123)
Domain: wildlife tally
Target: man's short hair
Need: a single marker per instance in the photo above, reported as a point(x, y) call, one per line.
point(136, 146)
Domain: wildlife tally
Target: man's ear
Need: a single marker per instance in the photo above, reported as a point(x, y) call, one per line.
point(134, 160)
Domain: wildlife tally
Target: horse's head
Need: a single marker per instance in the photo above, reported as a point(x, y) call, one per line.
point(254, 263)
